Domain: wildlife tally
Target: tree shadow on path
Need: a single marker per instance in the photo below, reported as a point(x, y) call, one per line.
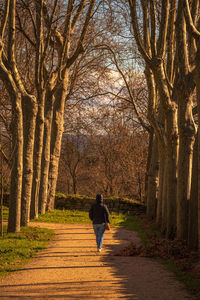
point(141, 276)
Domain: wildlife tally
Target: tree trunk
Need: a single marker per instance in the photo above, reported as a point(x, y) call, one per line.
point(153, 181)
point(186, 142)
point(193, 203)
point(160, 202)
point(198, 195)
point(56, 139)
point(184, 87)
point(39, 133)
point(171, 136)
point(164, 198)
point(197, 78)
point(46, 153)
point(150, 145)
point(17, 166)
point(29, 107)
point(171, 159)
point(74, 184)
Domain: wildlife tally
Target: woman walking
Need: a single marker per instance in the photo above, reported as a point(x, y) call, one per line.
point(99, 215)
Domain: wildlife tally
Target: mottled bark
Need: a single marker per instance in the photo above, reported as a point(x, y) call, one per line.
point(185, 87)
point(40, 87)
point(193, 203)
point(197, 79)
point(56, 139)
point(148, 164)
point(17, 166)
point(171, 160)
point(153, 181)
point(46, 153)
point(164, 198)
point(171, 133)
point(38, 146)
point(186, 141)
point(160, 202)
point(29, 107)
point(199, 182)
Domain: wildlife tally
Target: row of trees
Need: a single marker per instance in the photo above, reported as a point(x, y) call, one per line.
point(71, 51)
point(167, 38)
point(40, 42)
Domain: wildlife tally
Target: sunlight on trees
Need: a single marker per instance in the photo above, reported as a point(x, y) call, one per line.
point(121, 80)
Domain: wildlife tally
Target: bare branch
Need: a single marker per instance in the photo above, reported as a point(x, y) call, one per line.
point(153, 27)
point(189, 20)
point(132, 4)
point(4, 23)
point(161, 43)
point(79, 48)
point(127, 86)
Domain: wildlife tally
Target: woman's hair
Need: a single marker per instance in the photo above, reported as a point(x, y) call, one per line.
point(99, 198)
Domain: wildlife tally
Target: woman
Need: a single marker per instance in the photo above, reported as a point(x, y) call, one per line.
point(99, 214)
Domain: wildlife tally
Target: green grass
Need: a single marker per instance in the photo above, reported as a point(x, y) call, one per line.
point(17, 248)
point(5, 213)
point(64, 216)
point(82, 217)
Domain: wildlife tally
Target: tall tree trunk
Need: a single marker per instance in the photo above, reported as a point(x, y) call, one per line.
point(29, 107)
point(40, 87)
point(199, 183)
point(171, 135)
point(17, 166)
point(160, 203)
point(184, 91)
point(150, 145)
point(164, 198)
point(171, 160)
point(43, 192)
point(186, 142)
point(197, 79)
point(153, 181)
point(56, 140)
point(38, 146)
point(74, 179)
point(193, 203)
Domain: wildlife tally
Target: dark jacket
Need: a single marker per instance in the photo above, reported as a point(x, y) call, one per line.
point(99, 213)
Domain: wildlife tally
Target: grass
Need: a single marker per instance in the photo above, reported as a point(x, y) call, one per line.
point(82, 217)
point(17, 248)
point(64, 216)
point(5, 213)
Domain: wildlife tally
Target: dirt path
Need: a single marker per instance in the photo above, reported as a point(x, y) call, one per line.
point(71, 269)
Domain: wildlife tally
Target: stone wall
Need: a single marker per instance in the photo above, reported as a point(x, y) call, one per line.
point(114, 204)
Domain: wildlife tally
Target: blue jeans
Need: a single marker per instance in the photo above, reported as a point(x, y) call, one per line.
point(99, 230)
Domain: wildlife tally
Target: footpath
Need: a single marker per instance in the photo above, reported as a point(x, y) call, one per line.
point(71, 268)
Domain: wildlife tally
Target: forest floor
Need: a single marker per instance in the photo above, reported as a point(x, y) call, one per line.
point(71, 268)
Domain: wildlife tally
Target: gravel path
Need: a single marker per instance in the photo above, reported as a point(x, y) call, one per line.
point(72, 269)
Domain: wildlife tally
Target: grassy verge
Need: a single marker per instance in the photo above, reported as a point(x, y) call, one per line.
point(82, 217)
point(5, 213)
point(64, 216)
point(17, 248)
